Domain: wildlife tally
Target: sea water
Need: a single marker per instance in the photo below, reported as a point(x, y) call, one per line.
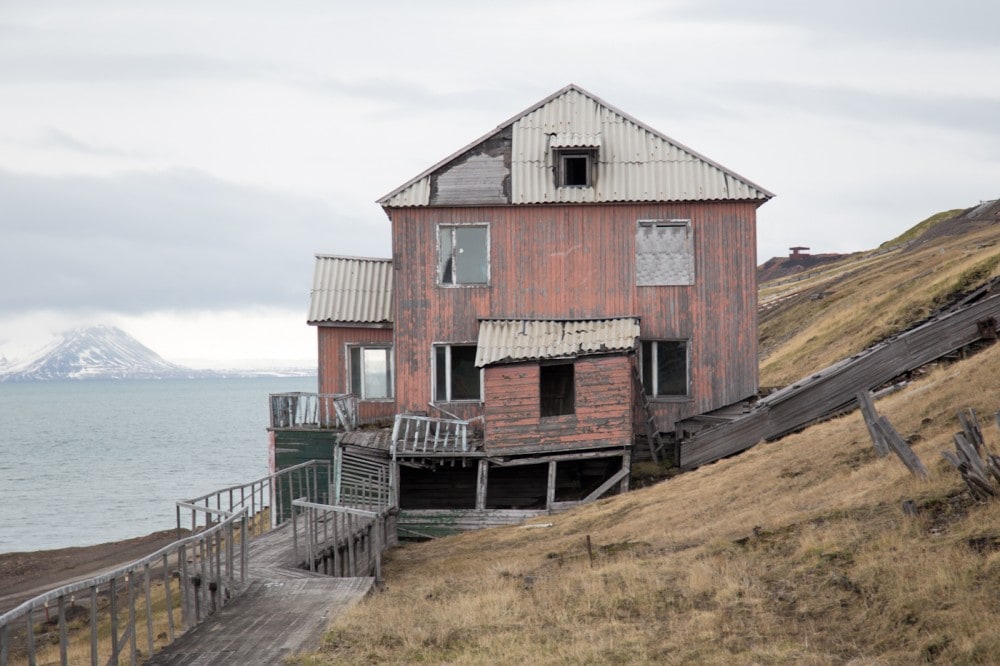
point(85, 462)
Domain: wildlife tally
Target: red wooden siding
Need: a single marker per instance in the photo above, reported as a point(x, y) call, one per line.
point(333, 341)
point(578, 262)
point(603, 415)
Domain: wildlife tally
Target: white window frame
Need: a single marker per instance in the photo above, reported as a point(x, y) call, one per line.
point(652, 391)
point(453, 226)
point(390, 380)
point(447, 346)
point(669, 223)
point(561, 155)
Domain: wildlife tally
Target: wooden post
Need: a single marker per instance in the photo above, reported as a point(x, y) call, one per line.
point(627, 466)
point(481, 484)
point(550, 488)
point(870, 416)
point(901, 448)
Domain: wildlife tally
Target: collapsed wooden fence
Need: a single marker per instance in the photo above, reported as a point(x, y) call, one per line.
point(835, 388)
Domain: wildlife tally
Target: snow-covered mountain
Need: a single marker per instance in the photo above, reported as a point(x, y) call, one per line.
point(96, 352)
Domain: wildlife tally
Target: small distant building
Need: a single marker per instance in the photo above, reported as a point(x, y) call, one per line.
point(798, 252)
point(555, 287)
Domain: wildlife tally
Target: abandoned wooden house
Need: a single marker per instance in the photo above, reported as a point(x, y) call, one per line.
point(568, 285)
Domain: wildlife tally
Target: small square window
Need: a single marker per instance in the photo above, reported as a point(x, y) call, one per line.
point(463, 254)
point(456, 376)
point(665, 367)
point(370, 372)
point(574, 168)
point(557, 390)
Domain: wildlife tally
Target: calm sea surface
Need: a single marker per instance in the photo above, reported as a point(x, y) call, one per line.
point(87, 462)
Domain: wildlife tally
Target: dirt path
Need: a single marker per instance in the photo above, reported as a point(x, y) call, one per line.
point(25, 575)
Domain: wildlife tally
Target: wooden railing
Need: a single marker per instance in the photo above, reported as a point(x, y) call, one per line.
point(314, 410)
point(268, 500)
point(425, 434)
point(341, 541)
point(210, 568)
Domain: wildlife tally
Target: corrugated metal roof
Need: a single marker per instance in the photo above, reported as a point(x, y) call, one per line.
point(352, 290)
point(514, 340)
point(635, 162)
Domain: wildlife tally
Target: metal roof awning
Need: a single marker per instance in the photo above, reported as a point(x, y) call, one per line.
point(575, 140)
point(516, 340)
point(351, 290)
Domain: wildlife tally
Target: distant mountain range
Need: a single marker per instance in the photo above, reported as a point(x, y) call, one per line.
point(106, 352)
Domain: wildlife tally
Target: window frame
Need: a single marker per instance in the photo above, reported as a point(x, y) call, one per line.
point(651, 387)
point(448, 374)
point(438, 265)
point(561, 155)
point(664, 223)
point(361, 347)
point(571, 395)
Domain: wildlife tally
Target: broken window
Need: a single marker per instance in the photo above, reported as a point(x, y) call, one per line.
point(664, 253)
point(665, 367)
point(463, 254)
point(456, 376)
point(574, 168)
point(557, 390)
point(370, 372)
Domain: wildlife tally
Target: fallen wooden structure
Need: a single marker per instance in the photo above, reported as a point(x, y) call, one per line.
point(835, 388)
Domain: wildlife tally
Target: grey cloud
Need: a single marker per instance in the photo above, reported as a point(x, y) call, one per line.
point(152, 241)
point(971, 23)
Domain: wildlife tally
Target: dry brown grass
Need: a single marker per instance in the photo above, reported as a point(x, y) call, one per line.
point(844, 308)
point(795, 552)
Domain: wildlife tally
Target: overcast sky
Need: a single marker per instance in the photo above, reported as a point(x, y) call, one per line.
point(172, 167)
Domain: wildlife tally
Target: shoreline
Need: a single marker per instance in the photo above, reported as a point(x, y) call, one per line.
point(24, 575)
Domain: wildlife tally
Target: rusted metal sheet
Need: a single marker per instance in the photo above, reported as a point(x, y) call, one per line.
point(578, 262)
point(508, 341)
point(351, 290)
point(634, 162)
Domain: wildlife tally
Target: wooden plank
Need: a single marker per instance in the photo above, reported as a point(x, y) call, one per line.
point(901, 448)
point(482, 481)
point(870, 415)
point(550, 486)
point(606, 486)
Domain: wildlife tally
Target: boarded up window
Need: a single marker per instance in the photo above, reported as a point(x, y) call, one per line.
point(665, 367)
point(370, 372)
point(463, 254)
point(664, 253)
point(456, 376)
point(557, 390)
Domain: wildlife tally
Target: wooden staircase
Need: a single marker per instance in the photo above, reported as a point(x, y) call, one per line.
point(656, 444)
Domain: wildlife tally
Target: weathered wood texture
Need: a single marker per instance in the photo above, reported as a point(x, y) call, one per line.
point(578, 262)
point(868, 413)
point(271, 621)
point(980, 469)
point(603, 409)
point(835, 388)
point(333, 341)
point(435, 523)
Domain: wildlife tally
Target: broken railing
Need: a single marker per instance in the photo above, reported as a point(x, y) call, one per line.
point(340, 540)
point(267, 500)
point(314, 410)
point(425, 434)
point(191, 578)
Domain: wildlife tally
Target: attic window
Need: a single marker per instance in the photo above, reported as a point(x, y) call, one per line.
point(574, 168)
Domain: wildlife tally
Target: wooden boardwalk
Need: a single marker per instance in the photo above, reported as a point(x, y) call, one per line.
point(283, 611)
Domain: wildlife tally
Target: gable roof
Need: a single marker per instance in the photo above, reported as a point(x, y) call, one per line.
point(635, 162)
point(351, 290)
point(516, 340)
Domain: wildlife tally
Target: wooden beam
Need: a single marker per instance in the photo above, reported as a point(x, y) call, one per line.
point(533, 460)
point(606, 486)
point(482, 479)
point(550, 487)
point(870, 416)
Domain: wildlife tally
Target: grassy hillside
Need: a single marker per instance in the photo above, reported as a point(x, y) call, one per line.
point(796, 551)
point(839, 309)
